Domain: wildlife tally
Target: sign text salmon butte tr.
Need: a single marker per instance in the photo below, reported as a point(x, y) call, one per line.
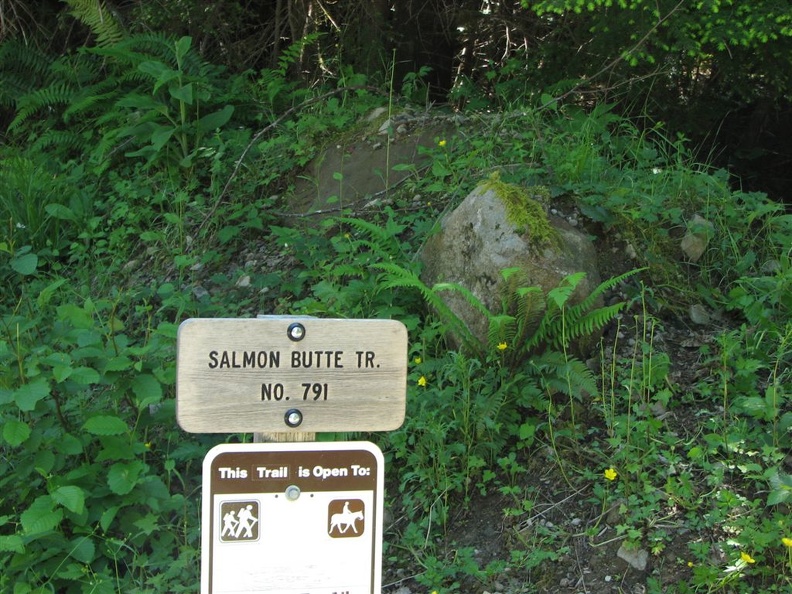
point(284, 374)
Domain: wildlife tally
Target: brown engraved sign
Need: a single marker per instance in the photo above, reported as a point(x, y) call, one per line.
point(283, 374)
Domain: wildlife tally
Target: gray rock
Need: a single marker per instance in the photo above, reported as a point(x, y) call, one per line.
point(385, 127)
point(695, 241)
point(480, 239)
point(635, 557)
point(375, 113)
point(699, 315)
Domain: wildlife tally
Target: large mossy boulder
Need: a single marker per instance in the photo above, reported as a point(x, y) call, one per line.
point(502, 226)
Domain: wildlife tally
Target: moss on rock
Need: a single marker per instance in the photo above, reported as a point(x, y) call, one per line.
point(523, 210)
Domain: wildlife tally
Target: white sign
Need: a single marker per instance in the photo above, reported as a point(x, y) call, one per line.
point(292, 518)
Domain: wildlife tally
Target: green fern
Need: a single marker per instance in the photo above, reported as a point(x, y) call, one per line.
point(64, 140)
point(98, 18)
point(398, 277)
point(23, 68)
point(384, 239)
point(57, 94)
point(559, 373)
point(561, 325)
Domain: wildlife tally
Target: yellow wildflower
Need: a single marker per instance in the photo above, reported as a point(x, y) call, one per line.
point(611, 474)
point(417, 360)
point(787, 542)
point(502, 346)
point(442, 143)
point(746, 557)
point(422, 381)
point(690, 564)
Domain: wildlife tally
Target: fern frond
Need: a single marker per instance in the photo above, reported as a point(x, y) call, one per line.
point(604, 286)
point(98, 18)
point(564, 374)
point(593, 321)
point(399, 277)
point(561, 326)
point(23, 69)
point(561, 294)
point(84, 103)
point(64, 140)
point(384, 240)
point(502, 328)
point(139, 48)
point(50, 96)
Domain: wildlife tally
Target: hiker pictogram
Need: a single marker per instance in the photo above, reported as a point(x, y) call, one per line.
point(239, 521)
point(346, 518)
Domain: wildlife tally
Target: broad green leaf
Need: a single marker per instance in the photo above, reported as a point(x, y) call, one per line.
point(778, 496)
point(60, 211)
point(139, 102)
point(147, 389)
point(182, 93)
point(161, 136)
point(83, 549)
point(164, 78)
point(61, 373)
point(27, 396)
point(15, 432)
point(12, 544)
point(123, 476)
point(25, 264)
point(150, 236)
point(115, 448)
point(85, 376)
point(76, 315)
point(148, 524)
point(105, 425)
point(118, 363)
point(41, 516)
point(182, 47)
point(43, 461)
point(215, 120)
point(70, 497)
point(58, 358)
point(69, 445)
point(107, 518)
point(155, 68)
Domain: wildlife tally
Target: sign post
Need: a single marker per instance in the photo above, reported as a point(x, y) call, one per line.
point(291, 518)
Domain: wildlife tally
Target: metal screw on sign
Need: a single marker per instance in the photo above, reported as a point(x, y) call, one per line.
point(293, 417)
point(296, 332)
point(292, 492)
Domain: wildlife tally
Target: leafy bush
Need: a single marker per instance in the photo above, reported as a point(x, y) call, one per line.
point(92, 497)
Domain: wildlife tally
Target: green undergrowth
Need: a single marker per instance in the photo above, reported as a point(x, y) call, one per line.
point(152, 187)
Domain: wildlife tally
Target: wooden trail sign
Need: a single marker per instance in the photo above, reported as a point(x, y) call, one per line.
point(288, 375)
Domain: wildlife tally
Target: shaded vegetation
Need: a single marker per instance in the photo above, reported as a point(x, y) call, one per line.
point(146, 159)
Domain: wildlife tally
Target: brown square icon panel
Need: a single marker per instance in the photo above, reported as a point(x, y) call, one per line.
point(346, 518)
point(239, 521)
